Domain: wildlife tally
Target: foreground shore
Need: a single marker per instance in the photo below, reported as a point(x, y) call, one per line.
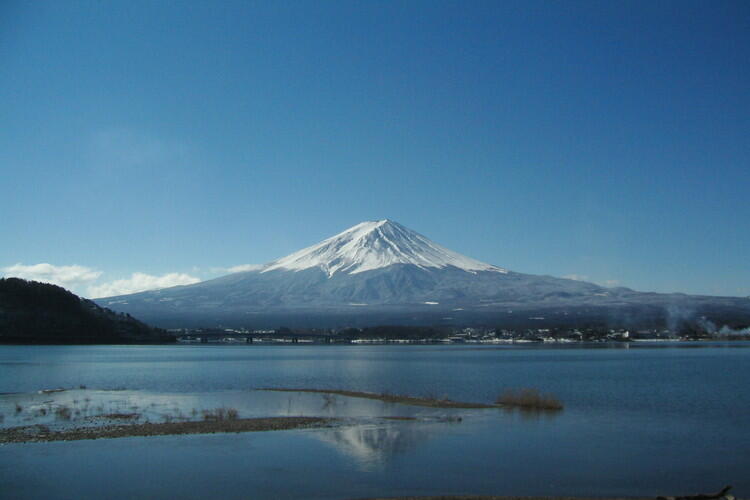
point(76, 414)
point(40, 433)
point(721, 495)
point(491, 497)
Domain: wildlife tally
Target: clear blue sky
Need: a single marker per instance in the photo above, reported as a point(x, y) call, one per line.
point(604, 140)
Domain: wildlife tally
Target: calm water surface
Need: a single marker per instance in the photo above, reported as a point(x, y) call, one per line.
point(638, 420)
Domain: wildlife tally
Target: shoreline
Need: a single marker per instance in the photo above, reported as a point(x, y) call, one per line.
point(499, 497)
point(40, 433)
point(304, 341)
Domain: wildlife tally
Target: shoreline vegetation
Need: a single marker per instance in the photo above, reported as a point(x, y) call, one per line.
point(40, 433)
point(530, 399)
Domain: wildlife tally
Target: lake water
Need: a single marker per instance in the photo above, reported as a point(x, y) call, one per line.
point(639, 420)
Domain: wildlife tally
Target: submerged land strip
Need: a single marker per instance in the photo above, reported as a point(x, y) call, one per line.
point(528, 399)
point(41, 433)
point(393, 398)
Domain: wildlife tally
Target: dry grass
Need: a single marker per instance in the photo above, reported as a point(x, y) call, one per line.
point(328, 400)
point(220, 414)
point(63, 412)
point(529, 399)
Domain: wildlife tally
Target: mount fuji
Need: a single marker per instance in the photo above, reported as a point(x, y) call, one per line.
point(380, 272)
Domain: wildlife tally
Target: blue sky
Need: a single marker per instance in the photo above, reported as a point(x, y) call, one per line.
point(153, 143)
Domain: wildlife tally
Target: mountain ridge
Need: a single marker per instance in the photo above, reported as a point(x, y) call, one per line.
point(381, 271)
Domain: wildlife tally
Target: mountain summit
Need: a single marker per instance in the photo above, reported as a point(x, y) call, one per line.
point(380, 272)
point(373, 245)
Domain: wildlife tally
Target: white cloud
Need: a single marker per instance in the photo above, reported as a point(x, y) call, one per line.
point(70, 277)
point(611, 283)
point(576, 277)
point(82, 280)
point(140, 282)
point(236, 269)
point(245, 267)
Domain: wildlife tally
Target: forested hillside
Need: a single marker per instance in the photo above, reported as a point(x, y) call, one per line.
point(40, 313)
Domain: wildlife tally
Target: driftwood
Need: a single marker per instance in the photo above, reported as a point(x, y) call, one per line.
point(720, 494)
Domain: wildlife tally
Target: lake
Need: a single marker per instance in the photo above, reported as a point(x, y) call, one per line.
point(640, 419)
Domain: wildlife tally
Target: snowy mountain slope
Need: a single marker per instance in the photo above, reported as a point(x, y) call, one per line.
point(374, 245)
point(375, 268)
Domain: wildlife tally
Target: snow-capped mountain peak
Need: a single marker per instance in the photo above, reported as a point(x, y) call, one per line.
point(374, 244)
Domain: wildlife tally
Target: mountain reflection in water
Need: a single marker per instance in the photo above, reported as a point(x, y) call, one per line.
point(371, 446)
